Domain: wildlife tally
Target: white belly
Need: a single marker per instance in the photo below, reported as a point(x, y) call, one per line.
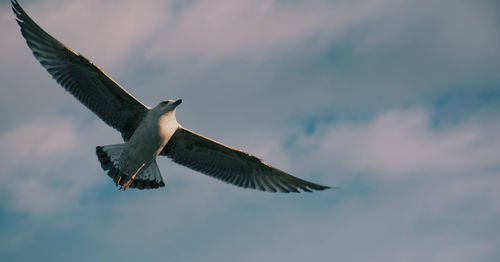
point(147, 142)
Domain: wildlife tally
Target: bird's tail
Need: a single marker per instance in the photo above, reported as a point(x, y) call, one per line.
point(149, 177)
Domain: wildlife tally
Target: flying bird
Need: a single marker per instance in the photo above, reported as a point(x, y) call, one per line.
point(147, 132)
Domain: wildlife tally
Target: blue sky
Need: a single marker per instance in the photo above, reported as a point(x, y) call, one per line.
point(395, 102)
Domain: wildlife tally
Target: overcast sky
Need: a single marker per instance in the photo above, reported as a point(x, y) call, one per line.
point(397, 102)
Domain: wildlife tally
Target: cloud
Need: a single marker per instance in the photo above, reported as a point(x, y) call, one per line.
point(208, 30)
point(45, 164)
point(40, 139)
point(402, 143)
point(102, 31)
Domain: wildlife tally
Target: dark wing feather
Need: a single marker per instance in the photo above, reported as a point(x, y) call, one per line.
point(84, 80)
point(231, 165)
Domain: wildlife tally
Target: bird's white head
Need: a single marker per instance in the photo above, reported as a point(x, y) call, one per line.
point(167, 106)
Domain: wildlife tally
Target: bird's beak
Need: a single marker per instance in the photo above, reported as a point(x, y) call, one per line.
point(178, 102)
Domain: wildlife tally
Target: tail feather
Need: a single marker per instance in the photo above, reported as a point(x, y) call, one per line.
point(147, 178)
point(109, 156)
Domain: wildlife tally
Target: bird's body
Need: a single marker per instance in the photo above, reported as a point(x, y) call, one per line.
point(147, 132)
point(148, 140)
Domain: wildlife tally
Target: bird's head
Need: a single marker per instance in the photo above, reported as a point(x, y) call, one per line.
point(167, 106)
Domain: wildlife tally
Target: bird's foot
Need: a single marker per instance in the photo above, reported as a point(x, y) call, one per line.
point(123, 182)
point(127, 184)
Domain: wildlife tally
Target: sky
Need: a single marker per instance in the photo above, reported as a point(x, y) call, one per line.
point(395, 102)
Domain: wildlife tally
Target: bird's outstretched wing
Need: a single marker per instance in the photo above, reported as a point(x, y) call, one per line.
point(84, 80)
point(230, 165)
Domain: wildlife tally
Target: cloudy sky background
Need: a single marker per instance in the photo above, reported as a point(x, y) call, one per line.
point(397, 102)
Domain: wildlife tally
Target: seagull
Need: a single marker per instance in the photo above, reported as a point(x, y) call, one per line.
point(147, 132)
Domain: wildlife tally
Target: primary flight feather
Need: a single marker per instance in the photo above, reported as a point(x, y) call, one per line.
point(147, 132)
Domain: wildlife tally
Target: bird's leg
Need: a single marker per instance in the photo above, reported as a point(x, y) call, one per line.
point(127, 184)
point(119, 179)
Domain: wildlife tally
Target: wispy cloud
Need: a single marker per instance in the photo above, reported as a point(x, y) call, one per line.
point(44, 165)
point(220, 30)
point(401, 143)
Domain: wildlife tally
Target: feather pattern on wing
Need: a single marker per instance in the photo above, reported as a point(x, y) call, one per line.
point(231, 165)
point(84, 80)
